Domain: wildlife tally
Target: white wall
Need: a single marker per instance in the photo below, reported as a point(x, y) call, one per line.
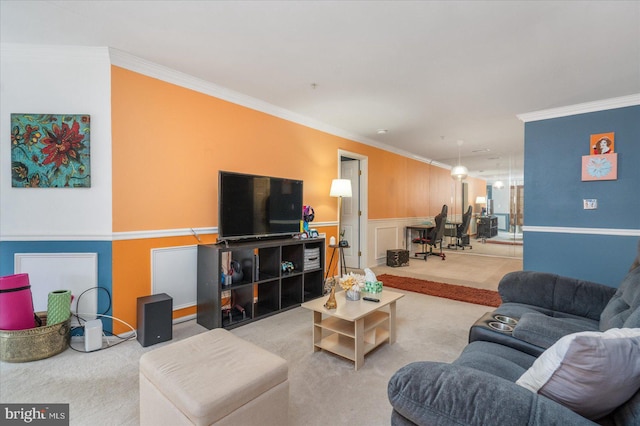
point(60, 80)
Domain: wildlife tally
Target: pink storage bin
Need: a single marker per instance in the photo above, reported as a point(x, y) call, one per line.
point(16, 304)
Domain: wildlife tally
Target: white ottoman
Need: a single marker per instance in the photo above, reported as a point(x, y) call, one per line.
point(213, 378)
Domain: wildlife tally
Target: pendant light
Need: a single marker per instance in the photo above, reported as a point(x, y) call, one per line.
point(459, 172)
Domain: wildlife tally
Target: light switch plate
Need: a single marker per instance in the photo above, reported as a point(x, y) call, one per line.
point(590, 203)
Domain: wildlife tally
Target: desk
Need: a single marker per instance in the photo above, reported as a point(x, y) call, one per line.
point(342, 265)
point(423, 230)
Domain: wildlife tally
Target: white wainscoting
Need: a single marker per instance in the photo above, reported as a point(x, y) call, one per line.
point(48, 272)
point(503, 221)
point(387, 234)
point(174, 272)
point(386, 238)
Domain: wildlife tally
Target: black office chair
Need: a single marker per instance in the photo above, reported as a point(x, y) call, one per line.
point(434, 237)
point(462, 231)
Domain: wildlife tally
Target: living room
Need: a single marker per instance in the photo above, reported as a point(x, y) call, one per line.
point(160, 137)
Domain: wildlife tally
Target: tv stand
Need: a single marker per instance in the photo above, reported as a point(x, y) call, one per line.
point(257, 238)
point(265, 288)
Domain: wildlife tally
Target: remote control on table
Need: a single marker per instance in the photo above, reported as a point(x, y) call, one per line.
point(371, 299)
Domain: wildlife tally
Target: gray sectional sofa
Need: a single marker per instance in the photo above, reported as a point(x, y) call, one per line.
point(557, 317)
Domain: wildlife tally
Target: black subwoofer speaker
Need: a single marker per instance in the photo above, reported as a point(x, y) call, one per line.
point(155, 323)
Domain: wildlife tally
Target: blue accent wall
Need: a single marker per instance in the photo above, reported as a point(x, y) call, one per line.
point(600, 258)
point(9, 248)
point(554, 194)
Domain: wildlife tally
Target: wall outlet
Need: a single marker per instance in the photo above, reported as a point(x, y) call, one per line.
point(590, 204)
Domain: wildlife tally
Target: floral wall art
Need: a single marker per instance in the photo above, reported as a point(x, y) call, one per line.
point(602, 163)
point(50, 151)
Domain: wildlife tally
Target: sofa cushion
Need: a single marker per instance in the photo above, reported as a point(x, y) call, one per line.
point(518, 310)
point(499, 360)
point(543, 330)
point(591, 373)
point(623, 310)
point(554, 295)
point(433, 393)
point(629, 413)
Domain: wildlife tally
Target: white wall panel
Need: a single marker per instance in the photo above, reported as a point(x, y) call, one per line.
point(76, 272)
point(174, 272)
point(386, 238)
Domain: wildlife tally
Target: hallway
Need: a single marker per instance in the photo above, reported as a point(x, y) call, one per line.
point(481, 267)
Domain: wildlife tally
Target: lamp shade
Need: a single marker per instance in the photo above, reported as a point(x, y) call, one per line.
point(459, 172)
point(498, 184)
point(340, 188)
point(481, 200)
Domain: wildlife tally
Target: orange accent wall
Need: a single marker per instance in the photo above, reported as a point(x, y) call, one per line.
point(169, 142)
point(131, 274)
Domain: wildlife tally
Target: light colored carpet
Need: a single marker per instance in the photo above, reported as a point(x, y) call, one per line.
point(102, 387)
point(479, 267)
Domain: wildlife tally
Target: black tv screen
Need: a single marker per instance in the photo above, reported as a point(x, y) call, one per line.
point(251, 206)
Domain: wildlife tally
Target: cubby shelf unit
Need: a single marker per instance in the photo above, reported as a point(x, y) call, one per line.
point(265, 288)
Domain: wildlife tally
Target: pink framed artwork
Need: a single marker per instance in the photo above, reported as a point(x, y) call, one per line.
point(600, 167)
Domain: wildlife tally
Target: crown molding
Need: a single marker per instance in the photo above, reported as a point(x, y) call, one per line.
point(603, 105)
point(53, 53)
point(142, 66)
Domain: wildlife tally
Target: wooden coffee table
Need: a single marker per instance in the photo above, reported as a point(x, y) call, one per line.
point(355, 328)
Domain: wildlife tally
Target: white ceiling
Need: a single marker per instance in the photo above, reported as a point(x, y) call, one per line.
point(431, 72)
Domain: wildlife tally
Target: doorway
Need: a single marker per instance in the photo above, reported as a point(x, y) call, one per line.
point(354, 209)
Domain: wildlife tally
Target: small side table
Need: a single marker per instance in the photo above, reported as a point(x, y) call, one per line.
point(341, 263)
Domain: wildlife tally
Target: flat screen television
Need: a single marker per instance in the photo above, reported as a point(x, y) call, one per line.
point(252, 206)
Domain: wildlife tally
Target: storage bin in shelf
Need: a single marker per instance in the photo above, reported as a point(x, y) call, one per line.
point(311, 258)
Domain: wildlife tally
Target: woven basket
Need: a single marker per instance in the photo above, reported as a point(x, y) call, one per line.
point(33, 344)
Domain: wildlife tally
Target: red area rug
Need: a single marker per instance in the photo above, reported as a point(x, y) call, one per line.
point(478, 296)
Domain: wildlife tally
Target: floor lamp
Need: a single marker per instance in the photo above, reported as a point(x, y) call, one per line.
point(340, 188)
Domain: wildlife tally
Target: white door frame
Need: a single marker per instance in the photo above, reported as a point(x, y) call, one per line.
point(364, 204)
